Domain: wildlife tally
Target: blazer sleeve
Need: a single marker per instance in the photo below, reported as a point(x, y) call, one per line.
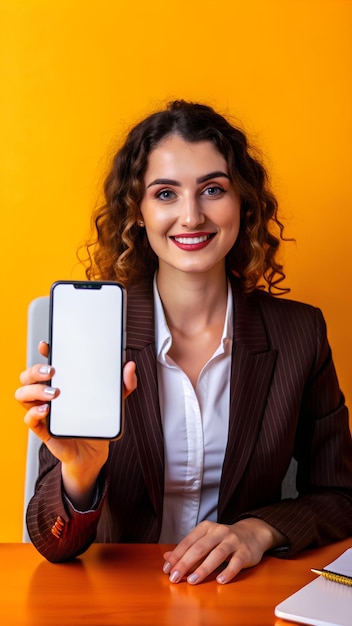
point(57, 530)
point(322, 512)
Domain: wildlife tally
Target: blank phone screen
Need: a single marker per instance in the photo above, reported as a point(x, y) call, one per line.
point(86, 349)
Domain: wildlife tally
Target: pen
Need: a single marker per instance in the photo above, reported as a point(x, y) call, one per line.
point(334, 576)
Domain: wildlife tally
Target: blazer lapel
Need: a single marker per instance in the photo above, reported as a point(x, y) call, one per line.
point(251, 373)
point(143, 404)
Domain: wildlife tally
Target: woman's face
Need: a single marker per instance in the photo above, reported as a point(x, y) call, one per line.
point(190, 208)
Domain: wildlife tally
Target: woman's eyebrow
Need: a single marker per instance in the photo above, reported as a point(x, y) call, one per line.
point(176, 183)
point(164, 181)
point(218, 174)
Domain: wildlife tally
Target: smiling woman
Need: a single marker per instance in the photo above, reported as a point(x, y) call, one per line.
point(189, 206)
point(232, 381)
point(222, 155)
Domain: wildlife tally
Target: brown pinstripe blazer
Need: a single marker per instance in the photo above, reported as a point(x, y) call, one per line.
point(285, 401)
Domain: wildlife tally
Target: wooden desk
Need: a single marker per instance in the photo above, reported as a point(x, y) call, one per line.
point(123, 585)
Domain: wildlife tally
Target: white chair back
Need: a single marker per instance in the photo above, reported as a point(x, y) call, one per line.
point(37, 330)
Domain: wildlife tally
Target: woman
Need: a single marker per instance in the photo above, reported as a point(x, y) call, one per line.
point(232, 382)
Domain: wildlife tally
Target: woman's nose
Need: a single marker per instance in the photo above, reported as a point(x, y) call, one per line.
point(191, 214)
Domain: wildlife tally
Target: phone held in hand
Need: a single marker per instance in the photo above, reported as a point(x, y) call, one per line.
point(86, 348)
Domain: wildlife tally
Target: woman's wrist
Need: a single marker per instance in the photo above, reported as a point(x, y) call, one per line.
point(80, 489)
point(269, 537)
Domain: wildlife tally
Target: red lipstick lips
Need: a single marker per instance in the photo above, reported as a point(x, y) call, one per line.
point(192, 241)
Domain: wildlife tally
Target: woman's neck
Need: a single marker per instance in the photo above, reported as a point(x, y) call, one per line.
point(192, 302)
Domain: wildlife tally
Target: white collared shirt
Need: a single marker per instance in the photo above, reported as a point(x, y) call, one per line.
point(195, 426)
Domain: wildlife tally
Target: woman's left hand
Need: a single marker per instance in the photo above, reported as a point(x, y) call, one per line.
point(210, 544)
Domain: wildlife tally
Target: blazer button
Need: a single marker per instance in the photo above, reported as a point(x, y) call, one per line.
point(59, 528)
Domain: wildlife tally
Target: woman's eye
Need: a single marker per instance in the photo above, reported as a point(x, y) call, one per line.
point(165, 194)
point(215, 190)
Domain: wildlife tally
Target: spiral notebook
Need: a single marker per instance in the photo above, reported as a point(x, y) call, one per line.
point(322, 602)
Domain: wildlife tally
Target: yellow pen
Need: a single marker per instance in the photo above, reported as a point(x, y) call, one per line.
point(334, 576)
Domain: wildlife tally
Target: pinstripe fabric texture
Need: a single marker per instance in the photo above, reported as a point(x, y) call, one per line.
point(285, 402)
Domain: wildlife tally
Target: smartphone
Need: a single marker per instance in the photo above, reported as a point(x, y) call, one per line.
point(86, 348)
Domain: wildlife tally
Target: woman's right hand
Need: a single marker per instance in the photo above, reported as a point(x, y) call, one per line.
point(82, 459)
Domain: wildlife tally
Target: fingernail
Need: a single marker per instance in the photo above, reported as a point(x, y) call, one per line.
point(167, 567)
point(42, 408)
point(221, 579)
point(50, 391)
point(192, 578)
point(175, 576)
point(45, 369)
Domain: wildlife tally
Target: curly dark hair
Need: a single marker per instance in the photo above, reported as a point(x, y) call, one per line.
point(120, 249)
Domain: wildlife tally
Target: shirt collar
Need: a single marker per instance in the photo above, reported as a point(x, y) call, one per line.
point(163, 339)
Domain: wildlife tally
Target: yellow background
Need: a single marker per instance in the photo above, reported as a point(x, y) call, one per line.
point(75, 74)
